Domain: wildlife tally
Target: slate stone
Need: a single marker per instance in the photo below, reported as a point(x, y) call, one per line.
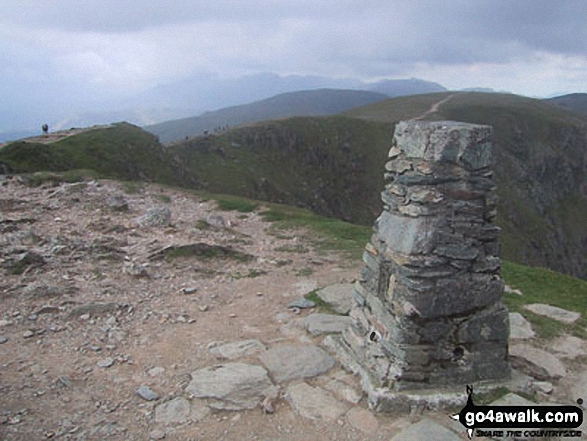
point(569, 346)
point(105, 362)
point(343, 390)
point(520, 328)
point(179, 411)
point(339, 296)
point(146, 393)
point(318, 324)
point(536, 362)
point(296, 361)
point(231, 386)
point(427, 430)
point(362, 420)
point(553, 312)
point(238, 349)
point(155, 217)
point(314, 403)
point(302, 304)
point(3, 339)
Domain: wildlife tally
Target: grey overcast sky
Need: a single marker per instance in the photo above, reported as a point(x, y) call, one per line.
point(97, 49)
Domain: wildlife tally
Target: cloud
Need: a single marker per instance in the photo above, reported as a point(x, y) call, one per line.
point(106, 48)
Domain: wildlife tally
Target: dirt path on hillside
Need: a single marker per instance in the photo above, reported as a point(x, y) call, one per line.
point(434, 108)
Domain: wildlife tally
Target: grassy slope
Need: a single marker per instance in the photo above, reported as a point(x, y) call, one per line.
point(323, 164)
point(540, 170)
point(576, 102)
point(538, 285)
point(121, 151)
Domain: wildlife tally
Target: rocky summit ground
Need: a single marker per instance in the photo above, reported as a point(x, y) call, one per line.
point(136, 312)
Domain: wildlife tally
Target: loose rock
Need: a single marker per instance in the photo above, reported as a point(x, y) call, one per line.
point(536, 362)
point(292, 361)
point(339, 296)
point(146, 393)
point(302, 304)
point(520, 328)
point(238, 349)
point(318, 324)
point(553, 312)
point(314, 403)
point(231, 386)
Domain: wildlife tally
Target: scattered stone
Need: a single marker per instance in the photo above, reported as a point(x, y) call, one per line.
point(4, 323)
point(267, 405)
point(520, 328)
point(536, 362)
point(146, 393)
point(343, 391)
point(117, 203)
point(63, 381)
point(95, 309)
point(179, 411)
point(544, 387)
point(314, 403)
point(204, 308)
point(41, 290)
point(48, 310)
point(238, 349)
point(157, 434)
point(426, 430)
point(153, 372)
point(302, 304)
point(155, 217)
point(231, 386)
point(3, 339)
point(188, 291)
point(318, 323)
point(135, 269)
point(339, 296)
point(362, 420)
point(217, 221)
point(553, 312)
point(105, 362)
point(293, 361)
point(28, 333)
point(569, 346)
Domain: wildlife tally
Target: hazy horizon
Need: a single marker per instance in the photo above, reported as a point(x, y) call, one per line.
point(154, 61)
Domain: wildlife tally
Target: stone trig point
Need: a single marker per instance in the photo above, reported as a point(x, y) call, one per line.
point(428, 316)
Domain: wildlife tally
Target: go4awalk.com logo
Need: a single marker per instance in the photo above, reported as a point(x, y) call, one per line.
point(520, 421)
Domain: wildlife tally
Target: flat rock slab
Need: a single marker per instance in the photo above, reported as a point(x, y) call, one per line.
point(339, 296)
point(512, 399)
point(314, 403)
point(553, 312)
point(238, 349)
point(520, 328)
point(179, 411)
point(231, 386)
point(569, 346)
point(362, 420)
point(295, 361)
point(318, 324)
point(426, 430)
point(536, 362)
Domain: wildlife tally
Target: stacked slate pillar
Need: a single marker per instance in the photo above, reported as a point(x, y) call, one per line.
point(429, 311)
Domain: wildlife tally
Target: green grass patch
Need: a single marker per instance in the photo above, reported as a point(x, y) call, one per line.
point(163, 198)
point(203, 224)
point(540, 285)
point(229, 203)
point(321, 305)
point(329, 234)
point(304, 272)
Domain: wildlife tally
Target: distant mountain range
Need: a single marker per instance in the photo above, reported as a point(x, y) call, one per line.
point(306, 103)
point(316, 102)
point(577, 102)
